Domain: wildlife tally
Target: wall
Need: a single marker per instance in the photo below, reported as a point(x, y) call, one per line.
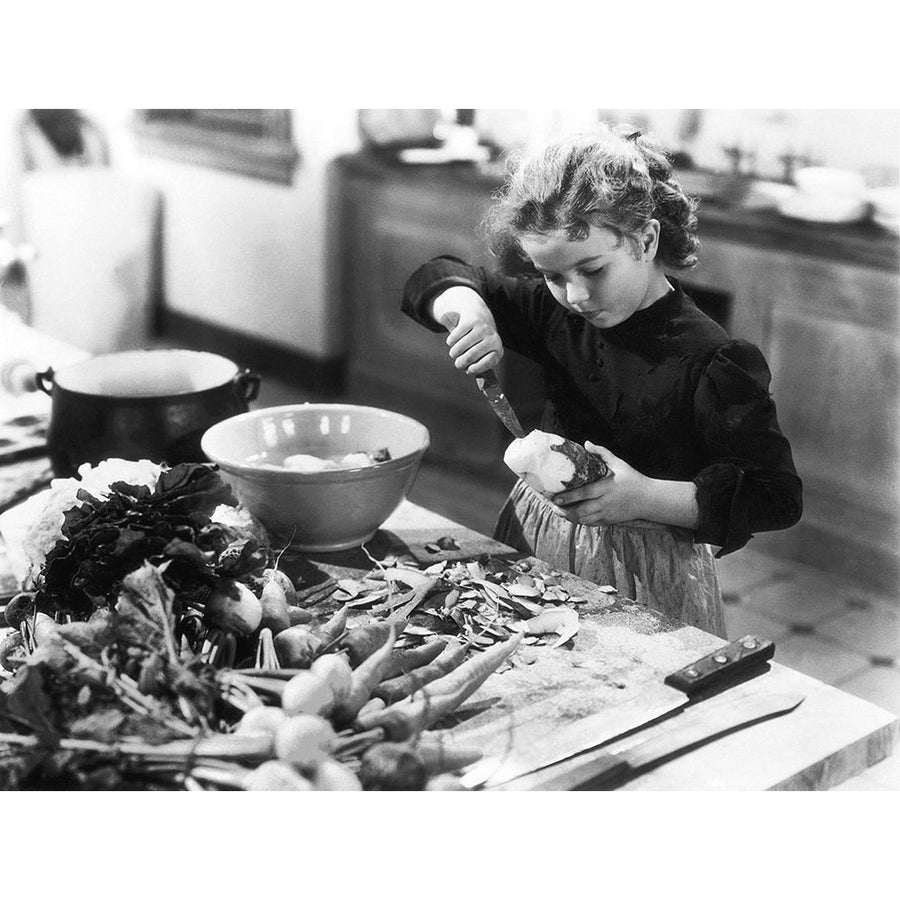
point(238, 252)
point(247, 254)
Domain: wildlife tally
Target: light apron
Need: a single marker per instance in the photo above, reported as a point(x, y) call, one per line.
point(657, 565)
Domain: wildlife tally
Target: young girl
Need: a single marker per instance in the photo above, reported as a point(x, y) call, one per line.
point(680, 413)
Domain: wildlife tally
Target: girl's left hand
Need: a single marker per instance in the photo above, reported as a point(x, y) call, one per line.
point(619, 497)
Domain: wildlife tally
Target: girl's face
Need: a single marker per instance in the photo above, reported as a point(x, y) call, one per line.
point(602, 277)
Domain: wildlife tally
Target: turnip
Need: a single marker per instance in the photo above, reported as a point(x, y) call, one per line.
point(551, 464)
point(392, 767)
point(275, 610)
point(304, 741)
point(331, 775)
point(235, 608)
point(274, 775)
point(334, 669)
point(261, 719)
point(297, 647)
point(306, 693)
point(290, 592)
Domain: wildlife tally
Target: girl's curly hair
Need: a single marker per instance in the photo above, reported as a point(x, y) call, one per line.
point(613, 178)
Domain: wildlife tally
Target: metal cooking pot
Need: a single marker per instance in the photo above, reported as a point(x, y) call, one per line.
point(141, 404)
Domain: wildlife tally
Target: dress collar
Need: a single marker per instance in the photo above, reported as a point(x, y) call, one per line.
point(657, 314)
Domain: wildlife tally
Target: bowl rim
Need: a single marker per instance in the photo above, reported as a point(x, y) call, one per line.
point(269, 471)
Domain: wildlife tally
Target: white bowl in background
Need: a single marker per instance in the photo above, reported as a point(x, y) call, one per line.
point(817, 180)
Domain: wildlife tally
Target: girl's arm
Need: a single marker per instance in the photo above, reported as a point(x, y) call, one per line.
point(521, 307)
point(625, 494)
point(749, 483)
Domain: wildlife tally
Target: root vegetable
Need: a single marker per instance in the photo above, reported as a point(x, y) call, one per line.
point(297, 647)
point(334, 627)
point(372, 705)
point(274, 775)
point(284, 582)
point(364, 679)
point(550, 463)
point(12, 651)
point(235, 608)
point(304, 741)
point(392, 767)
point(261, 720)
point(275, 610)
point(445, 782)
point(19, 608)
point(299, 616)
point(45, 629)
point(395, 689)
point(306, 693)
point(331, 775)
point(440, 757)
point(363, 641)
point(402, 662)
point(334, 669)
point(467, 678)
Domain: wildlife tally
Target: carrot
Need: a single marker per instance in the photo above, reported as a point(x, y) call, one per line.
point(334, 627)
point(297, 615)
point(408, 717)
point(362, 642)
point(371, 705)
point(404, 661)
point(468, 677)
point(440, 756)
point(363, 680)
point(395, 689)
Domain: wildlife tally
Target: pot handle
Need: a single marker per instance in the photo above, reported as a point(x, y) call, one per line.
point(44, 380)
point(247, 384)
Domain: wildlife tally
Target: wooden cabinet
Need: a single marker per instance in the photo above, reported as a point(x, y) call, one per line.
point(821, 304)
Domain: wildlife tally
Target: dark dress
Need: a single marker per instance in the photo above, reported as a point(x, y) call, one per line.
point(667, 391)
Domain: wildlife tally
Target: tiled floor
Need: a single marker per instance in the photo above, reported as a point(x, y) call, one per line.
point(833, 630)
point(828, 628)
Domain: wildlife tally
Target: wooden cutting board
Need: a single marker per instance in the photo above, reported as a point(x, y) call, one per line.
point(622, 646)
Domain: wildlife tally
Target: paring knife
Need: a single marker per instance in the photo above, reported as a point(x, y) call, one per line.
point(489, 385)
point(718, 668)
point(602, 769)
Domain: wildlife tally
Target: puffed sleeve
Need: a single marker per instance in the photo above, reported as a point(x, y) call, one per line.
point(749, 482)
point(522, 307)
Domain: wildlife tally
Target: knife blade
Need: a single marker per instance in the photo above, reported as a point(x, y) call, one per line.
point(707, 722)
point(678, 689)
point(489, 385)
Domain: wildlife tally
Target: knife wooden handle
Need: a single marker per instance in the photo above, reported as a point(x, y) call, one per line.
point(721, 666)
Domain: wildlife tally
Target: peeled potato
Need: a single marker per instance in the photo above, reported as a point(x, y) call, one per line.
point(551, 464)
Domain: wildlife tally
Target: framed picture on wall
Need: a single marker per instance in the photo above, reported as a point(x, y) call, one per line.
point(257, 143)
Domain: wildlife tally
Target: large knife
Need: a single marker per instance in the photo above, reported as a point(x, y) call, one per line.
point(490, 386)
point(699, 725)
point(715, 670)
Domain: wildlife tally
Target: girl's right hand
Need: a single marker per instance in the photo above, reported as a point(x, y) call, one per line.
point(473, 340)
